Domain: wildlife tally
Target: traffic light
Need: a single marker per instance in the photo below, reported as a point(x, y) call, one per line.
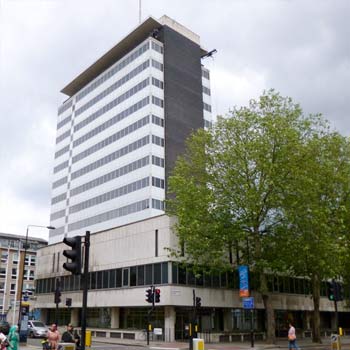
point(198, 302)
point(73, 254)
point(338, 291)
point(331, 290)
point(57, 296)
point(149, 295)
point(157, 295)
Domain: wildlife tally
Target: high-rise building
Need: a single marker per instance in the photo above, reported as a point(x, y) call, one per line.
point(122, 127)
point(118, 136)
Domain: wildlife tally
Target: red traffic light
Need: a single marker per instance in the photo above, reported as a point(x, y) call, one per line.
point(157, 295)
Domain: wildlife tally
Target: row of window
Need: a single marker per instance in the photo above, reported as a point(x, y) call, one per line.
point(205, 73)
point(113, 70)
point(62, 151)
point(207, 124)
point(118, 192)
point(126, 169)
point(156, 47)
point(115, 213)
point(142, 275)
point(155, 274)
point(61, 197)
point(206, 90)
point(114, 120)
point(65, 106)
point(60, 182)
point(60, 166)
point(207, 107)
point(113, 104)
point(63, 136)
point(155, 100)
point(112, 138)
point(57, 215)
point(111, 157)
point(113, 87)
point(64, 122)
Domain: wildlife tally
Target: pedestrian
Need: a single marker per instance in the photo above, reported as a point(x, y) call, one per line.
point(53, 336)
point(3, 341)
point(77, 340)
point(292, 338)
point(13, 338)
point(68, 336)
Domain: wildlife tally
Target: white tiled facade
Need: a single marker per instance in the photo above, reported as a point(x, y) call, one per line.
point(118, 121)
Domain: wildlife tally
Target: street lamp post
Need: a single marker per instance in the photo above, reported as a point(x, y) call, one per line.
point(21, 282)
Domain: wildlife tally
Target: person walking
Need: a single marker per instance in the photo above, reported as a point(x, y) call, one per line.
point(69, 336)
point(292, 338)
point(13, 338)
point(53, 336)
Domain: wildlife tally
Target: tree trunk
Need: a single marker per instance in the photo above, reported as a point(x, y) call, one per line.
point(269, 311)
point(316, 335)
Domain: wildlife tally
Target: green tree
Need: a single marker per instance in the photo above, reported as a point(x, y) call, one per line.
point(316, 209)
point(234, 183)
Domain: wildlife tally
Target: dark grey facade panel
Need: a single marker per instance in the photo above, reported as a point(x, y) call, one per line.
point(183, 105)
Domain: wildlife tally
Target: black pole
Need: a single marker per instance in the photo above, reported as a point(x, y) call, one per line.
point(336, 316)
point(251, 328)
point(84, 279)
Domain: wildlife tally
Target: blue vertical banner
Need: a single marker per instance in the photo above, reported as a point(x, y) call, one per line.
point(243, 272)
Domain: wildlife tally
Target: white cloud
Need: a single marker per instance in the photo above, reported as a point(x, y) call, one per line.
point(300, 49)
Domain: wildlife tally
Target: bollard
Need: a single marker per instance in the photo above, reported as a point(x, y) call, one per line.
point(88, 338)
point(198, 344)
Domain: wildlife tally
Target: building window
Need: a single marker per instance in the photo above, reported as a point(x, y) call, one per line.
point(4, 256)
point(125, 277)
point(156, 241)
point(2, 272)
point(14, 273)
point(15, 258)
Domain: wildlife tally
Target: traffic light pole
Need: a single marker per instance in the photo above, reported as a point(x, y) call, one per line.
point(336, 316)
point(84, 280)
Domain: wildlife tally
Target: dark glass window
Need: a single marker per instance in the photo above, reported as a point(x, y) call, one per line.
point(76, 282)
point(133, 276)
point(125, 277)
point(182, 275)
point(216, 280)
point(190, 277)
point(112, 280)
point(164, 272)
point(292, 287)
point(223, 280)
point(207, 280)
point(199, 278)
point(149, 274)
point(174, 272)
point(105, 279)
point(141, 275)
point(93, 280)
point(157, 273)
point(275, 284)
point(99, 280)
point(119, 278)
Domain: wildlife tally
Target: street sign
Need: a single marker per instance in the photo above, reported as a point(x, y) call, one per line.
point(248, 303)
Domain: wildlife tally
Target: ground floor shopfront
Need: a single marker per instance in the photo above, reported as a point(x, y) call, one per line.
point(215, 324)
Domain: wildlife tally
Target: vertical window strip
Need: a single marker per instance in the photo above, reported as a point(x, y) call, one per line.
point(156, 242)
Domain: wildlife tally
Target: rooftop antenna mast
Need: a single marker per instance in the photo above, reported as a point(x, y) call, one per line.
point(140, 11)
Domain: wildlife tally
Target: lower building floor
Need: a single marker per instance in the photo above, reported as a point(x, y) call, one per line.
point(171, 323)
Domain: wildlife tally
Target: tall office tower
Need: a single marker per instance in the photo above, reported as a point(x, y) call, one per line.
point(123, 126)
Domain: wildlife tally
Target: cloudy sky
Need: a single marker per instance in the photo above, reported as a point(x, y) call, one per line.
point(300, 48)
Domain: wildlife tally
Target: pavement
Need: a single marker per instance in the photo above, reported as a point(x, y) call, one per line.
point(258, 345)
